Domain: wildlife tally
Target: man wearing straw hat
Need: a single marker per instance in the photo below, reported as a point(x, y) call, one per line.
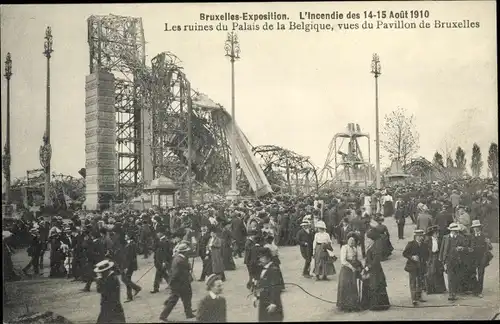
point(108, 286)
point(416, 252)
point(451, 255)
point(180, 283)
point(305, 238)
point(482, 256)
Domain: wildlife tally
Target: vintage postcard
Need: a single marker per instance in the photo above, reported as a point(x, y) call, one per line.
point(249, 162)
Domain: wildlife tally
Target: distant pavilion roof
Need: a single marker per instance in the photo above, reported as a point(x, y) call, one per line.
point(162, 183)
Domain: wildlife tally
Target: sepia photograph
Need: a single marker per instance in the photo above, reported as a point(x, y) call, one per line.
point(249, 162)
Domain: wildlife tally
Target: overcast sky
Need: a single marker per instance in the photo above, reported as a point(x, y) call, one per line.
point(293, 89)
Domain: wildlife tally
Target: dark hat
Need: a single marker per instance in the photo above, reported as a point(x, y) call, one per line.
point(353, 234)
point(265, 252)
point(432, 229)
point(373, 234)
point(211, 280)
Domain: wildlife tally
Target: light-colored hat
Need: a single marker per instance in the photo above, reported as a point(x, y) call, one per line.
point(321, 224)
point(307, 218)
point(305, 223)
point(476, 223)
point(104, 265)
point(454, 227)
point(183, 248)
point(211, 279)
point(418, 232)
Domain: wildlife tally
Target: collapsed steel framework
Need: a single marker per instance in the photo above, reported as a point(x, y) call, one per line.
point(62, 187)
point(287, 166)
point(179, 112)
point(157, 106)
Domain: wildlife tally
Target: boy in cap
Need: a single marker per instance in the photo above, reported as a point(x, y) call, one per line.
point(213, 307)
point(417, 253)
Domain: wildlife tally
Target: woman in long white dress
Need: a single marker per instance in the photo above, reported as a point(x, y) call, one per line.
point(323, 248)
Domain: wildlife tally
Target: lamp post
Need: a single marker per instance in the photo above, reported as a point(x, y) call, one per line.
point(232, 47)
point(46, 149)
point(6, 157)
point(376, 70)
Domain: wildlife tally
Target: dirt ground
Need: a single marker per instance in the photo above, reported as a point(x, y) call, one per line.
point(65, 298)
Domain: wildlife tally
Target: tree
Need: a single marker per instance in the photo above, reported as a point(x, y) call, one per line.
point(493, 160)
point(460, 160)
point(438, 159)
point(449, 162)
point(476, 163)
point(401, 136)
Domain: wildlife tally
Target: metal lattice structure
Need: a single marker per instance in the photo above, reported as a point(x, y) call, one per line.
point(296, 171)
point(170, 98)
point(173, 101)
point(63, 188)
point(352, 165)
point(117, 46)
point(157, 106)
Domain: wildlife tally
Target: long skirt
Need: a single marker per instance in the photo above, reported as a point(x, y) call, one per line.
point(388, 248)
point(374, 297)
point(388, 209)
point(347, 292)
point(323, 263)
point(277, 261)
point(227, 256)
point(435, 279)
point(111, 313)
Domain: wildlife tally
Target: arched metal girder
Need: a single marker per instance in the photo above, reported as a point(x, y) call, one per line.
point(278, 158)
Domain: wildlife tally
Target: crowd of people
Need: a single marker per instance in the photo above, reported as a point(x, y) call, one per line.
point(448, 237)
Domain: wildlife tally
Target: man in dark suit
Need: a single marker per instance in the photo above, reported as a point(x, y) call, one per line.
point(162, 258)
point(129, 266)
point(34, 251)
point(95, 252)
point(251, 258)
point(481, 246)
point(238, 233)
point(359, 225)
point(305, 238)
point(43, 229)
point(180, 284)
point(144, 237)
point(344, 229)
point(417, 253)
point(443, 219)
point(400, 218)
point(451, 255)
point(202, 252)
point(268, 291)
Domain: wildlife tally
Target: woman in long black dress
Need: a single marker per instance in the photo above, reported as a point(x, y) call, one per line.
point(347, 292)
point(227, 250)
point(374, 291)
point(385, 238)
point(435, 279)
